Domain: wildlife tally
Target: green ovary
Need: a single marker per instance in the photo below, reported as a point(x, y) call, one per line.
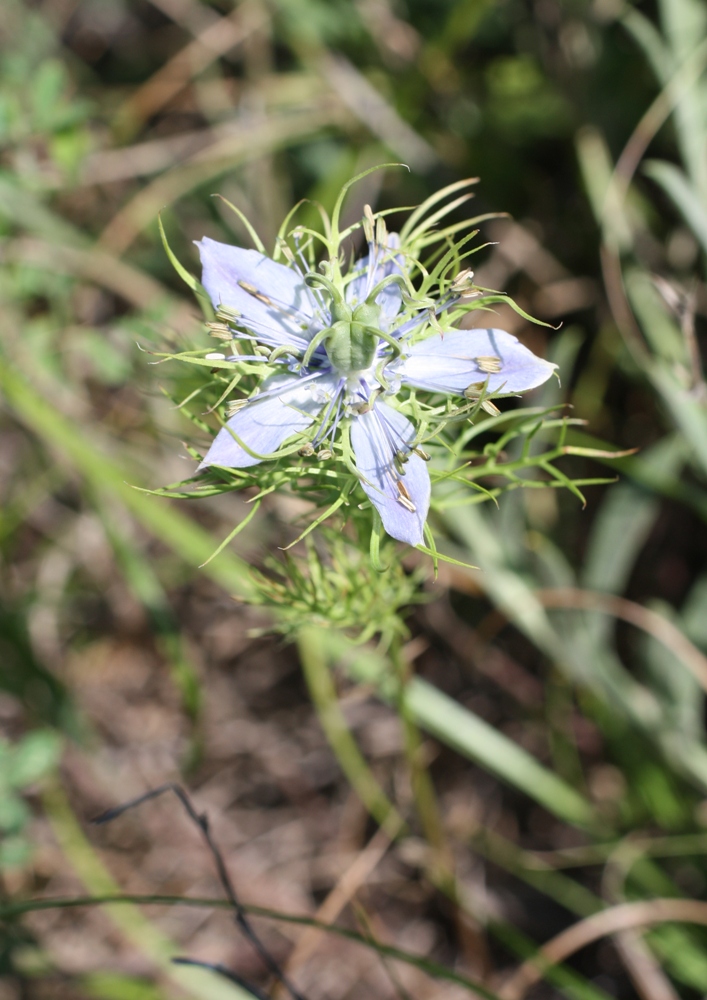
point(351, 343)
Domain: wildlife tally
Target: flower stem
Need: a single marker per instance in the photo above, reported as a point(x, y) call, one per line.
point(323, 694)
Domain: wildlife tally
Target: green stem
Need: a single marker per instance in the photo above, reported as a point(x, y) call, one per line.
point(423, 790)
point(351, 760)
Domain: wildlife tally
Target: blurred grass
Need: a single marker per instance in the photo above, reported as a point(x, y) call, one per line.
point(586, 121)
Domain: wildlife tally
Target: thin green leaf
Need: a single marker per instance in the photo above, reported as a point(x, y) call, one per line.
point(259, 245)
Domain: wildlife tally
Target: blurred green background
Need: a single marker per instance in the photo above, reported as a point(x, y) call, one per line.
point(562, 766)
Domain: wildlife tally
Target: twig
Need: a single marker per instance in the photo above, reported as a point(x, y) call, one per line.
point(213, 40)
point(342, 893)
point(618, 918)
point(239, 913)
point(226, 973)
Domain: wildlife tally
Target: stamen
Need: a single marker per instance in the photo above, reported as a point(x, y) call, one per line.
point(324, 429)
point(473, 392)
point(234, 406)
point(285, 250)
point(368, 223)
point(399, 460)
point(463, 279)
point(306, 451)
point(367, 404)
point(252, 290)
point(227, 313)
point(220, 330)
point(404, 497)
point(323, 455)
point(489, 364)
point(258, 331)
point(422, 454)
point(381, 232)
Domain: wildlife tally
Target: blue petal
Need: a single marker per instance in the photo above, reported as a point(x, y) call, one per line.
point(265, 424)
point(401, 500)
point(288, 314)
point(452, 362)
point(368, 276)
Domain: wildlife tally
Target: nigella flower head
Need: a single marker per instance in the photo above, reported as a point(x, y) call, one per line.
point(349, 350)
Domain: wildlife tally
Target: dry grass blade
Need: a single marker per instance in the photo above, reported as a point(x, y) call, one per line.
point(649, 979)
point(150, 157)
point(350, 882)
point(654, 118)
point(612, 921)
point(619, 304)
point(377, 114)
point(103, 269)
point(655, 625)
point(216, 39)
point(244, 144)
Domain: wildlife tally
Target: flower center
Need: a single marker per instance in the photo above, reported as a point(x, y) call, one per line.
point(352, 339)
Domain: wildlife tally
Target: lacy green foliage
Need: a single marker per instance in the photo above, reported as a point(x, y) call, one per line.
point(337, 586)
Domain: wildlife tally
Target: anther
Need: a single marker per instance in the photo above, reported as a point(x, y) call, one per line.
point(399, 460)
point(422, 454)
point(368, 223)
point(381, 232)
point(463, 279)
point(286, 251)
point(234, 406)
point(252, 290)
point(489, 364)
point(227, 313)
point(220, 330)
point(404, 497)
point(324, 454)
point(473, 393)
point(306, 451)
point(364, 407)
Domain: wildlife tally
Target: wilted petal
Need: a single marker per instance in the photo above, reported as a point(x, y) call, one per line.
point(460, 358)
point(264, 424)
point(281, 312)
point(389, 298)
point(401, 500)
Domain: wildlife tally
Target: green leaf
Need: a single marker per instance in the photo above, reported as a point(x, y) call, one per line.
point(113, 986)
point(33, 757)
point(14, 814)
point(469, 735)
point(186, 277)
point(683, 195)
point(259, 245)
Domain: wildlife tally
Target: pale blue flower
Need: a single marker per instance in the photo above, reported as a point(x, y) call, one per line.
point(362, 354)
